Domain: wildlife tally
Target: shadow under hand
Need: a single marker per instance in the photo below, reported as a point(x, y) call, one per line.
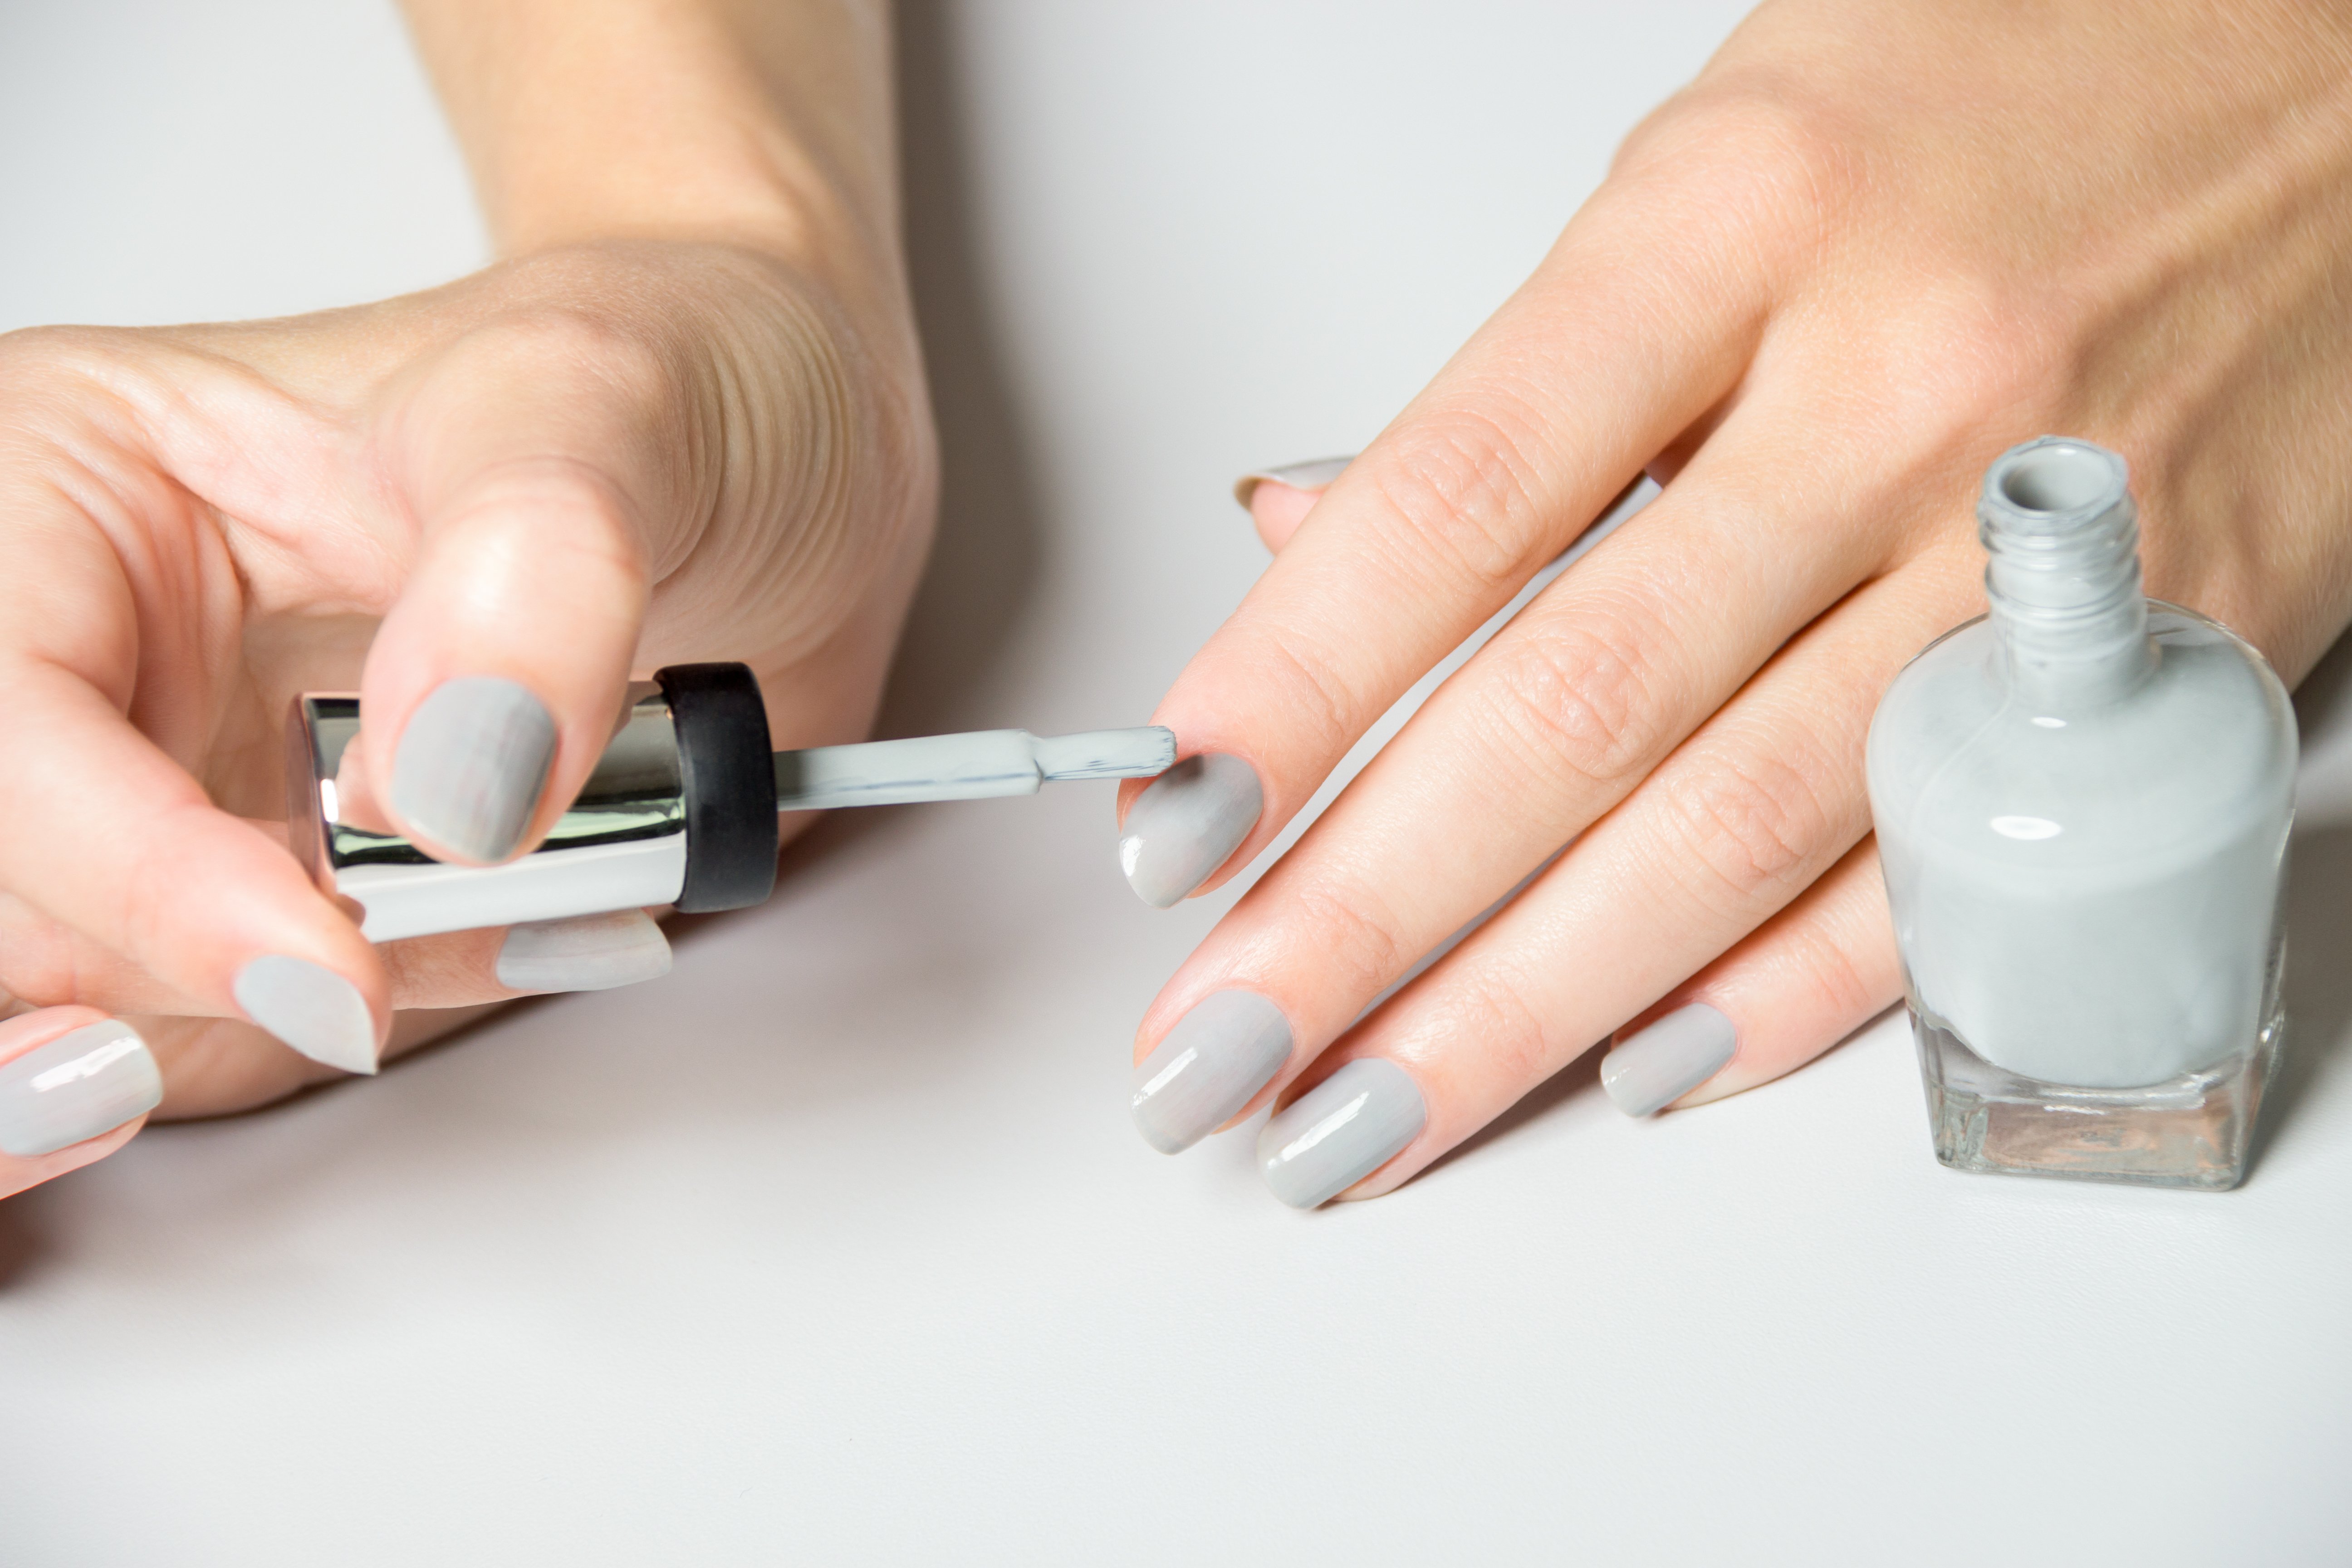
point(985, 560)
point(1582, 1074)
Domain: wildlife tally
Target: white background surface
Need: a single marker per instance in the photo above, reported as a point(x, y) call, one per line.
point(836, 1246)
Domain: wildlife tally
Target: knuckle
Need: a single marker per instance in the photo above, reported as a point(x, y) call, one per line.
point(46, 371)
point(574, 335)
point(1969, 359)
point(37, 968)
point(1457, 489)
point(1314, 696)
point(559, 352)
point(1836, 979)
point(36, 349)
point(549, 521)
point(1490, 1008)
point(1751, 823)
point(1354, 934)
point(148, 898)
point(1575, 694)
point(1755, 151)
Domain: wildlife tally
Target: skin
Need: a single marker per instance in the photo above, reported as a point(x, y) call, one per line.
point(681, 418)
point(1872, 246)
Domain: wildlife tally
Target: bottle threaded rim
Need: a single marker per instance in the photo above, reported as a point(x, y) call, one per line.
point(2063, 577)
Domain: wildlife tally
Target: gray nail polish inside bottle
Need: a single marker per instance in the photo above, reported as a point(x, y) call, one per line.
point(2082, 802)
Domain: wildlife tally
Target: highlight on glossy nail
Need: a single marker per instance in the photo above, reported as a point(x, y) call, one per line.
point(75, 1088)
point(1216, 1059)
point(1187, 824)
point(1656, 1066)
point(1341, 1131)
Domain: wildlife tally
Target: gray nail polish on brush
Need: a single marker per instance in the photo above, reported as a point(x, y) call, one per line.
point(1187, 824)
point(1341, 1131)
point(471, 763)
point(1217, 1056)
point(1651, 1069)
point(75, 1088)
point(311, 1008)
point(587, 953)
point(1314, 474)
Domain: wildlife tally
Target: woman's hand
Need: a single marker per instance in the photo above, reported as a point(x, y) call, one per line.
point(482, 507)
point(682, 422)
point(1871, 248)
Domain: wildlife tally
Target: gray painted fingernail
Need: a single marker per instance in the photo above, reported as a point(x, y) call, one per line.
point(1651, 1069)
point(1314, 474)
point(311, 1008)
point(471, 764)
point(1218, 1055)
point(1341, 1131)
point(76, 1087)
point(587, 953)
point(1186, 825)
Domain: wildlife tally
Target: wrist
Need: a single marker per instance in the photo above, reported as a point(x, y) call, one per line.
point(762, 127)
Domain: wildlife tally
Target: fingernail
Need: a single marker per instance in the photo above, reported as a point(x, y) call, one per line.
point(311, 1008)
point(1314, 474)
point(1185, 825)
point(1341, 1131)
point(76, 1087)
point(588, 952)
point(470, 766)
point(1218, 1055)
point(1651, 1069)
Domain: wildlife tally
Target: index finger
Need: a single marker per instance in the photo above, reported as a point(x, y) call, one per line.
point(104, 831)
point(1596, 365)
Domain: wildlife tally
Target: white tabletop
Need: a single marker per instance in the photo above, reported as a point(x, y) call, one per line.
point(837, 1246)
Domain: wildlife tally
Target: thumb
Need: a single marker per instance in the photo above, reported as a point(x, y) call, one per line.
point(533, 460)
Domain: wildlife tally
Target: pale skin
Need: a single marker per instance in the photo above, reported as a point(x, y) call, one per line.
point(681, 418)
point(1872, 246)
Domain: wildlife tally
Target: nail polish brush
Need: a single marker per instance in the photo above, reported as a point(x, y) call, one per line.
point(681, 808)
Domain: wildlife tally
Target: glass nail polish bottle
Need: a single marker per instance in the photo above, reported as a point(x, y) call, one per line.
point(2082, 802)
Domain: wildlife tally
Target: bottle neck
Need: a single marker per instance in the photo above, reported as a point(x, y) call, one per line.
point(2063, 581)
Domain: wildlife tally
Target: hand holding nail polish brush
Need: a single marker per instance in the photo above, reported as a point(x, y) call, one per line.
point(676, 415)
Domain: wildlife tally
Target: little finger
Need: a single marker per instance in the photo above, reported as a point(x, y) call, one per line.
point(1803, 981)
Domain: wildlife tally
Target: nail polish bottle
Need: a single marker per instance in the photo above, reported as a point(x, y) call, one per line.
point(2081, 800)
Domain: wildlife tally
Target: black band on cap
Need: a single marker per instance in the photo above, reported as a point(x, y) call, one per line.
point(728, 770)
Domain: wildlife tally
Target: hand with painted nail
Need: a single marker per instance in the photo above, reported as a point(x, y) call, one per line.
point(683, 420)
point(1872, 246)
